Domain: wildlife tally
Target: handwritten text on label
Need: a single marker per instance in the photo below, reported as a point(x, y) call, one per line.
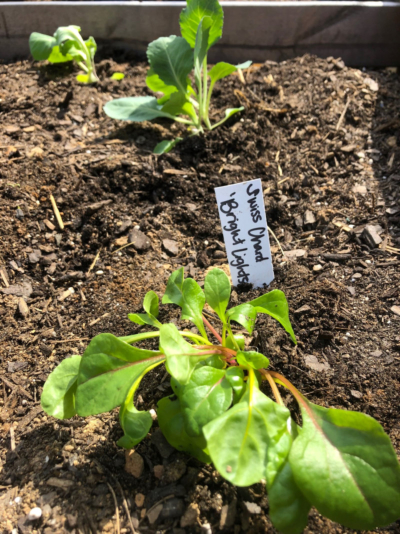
point(242, 213)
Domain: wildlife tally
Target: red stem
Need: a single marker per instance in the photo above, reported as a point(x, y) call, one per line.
point(212, 329)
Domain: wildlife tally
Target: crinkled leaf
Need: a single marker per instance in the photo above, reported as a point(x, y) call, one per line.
point(222, 69)
point(252, 359)
point(108, 369)
point(240, 440)
point(172, 59)
point(92, 47)
point(195, 11)
point(217, 290)
point(345, 465)
point(135, 424)
point(166, 146)
point(170, 419)
point(206, 396)
point(58, 397)
point(181, 356)
point(275, 304)
point(235, 377)
point(72, 49)
point(135, 109)
point(244, 314)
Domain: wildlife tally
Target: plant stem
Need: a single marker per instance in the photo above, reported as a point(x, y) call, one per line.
point(148, 335)
point(288, 385)
point(205, 91)
point(271, 382)
point(233, 337)
point(224, 335)
point(212, 329)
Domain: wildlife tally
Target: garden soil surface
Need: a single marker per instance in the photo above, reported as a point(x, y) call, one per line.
point(323, 138)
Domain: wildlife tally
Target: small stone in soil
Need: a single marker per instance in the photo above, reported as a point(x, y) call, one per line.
point(172, 508)
point(294, 254)
point(371, 236)
point(376, 353)
point(134, 463)
point(317, 268)
point(158, 471)
point(395, 309)
point(309, 220)
point(34, 257)
point(18, 290)
point(139, 240)
point(19, 214)
point(126, 223)
point(252, 507)
point(154, 513)
point(351, 290)
point(303, 309)
point(15, 366)
point(356, 394)
point(171, 247)
point(313, 363)
point(190, 516)
point(162, 445)
point(219, 255)
point(139, 500)
point(35, 513)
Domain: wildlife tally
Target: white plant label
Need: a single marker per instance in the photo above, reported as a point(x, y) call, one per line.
point(242, 213)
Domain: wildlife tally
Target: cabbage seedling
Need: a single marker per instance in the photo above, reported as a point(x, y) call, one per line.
point(67, 44)
point(341, 462)
point(171, 60)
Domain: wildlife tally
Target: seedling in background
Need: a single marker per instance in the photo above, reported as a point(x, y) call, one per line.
point(171, 60)
point(339, 461)
point(66, 45)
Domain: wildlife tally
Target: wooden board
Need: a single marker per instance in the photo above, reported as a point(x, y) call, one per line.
point(362, 33)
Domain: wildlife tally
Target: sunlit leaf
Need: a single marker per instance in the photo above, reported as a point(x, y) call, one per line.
point(275, 304)
point(217, 289)
point(58, 397)
point(195, 11)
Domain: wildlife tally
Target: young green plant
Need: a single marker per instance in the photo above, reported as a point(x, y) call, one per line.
point(341, 462)
point(66, 44)
point(171, 60)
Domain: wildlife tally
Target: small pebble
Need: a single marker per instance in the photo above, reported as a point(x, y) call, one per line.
point(35, 513)
point(17, 500)
point(99, 272)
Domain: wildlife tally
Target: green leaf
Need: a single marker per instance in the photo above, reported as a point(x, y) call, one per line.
point(206, 396)
point(150, 304)
point(118, 76)
point(181, 356)
point(252, 359)
point(345, 465)
point(195, 11)
point(143, 318)
point(240, 440)
point(288, 508)
point(108, 369)
point(231, 111)
point(135, 109)
point(58, 397)
point(188, 295)
point(174, 291)
point(217, 290)
point(275, 304)
point(222, 69)
point(193, 304)
point(170, 419)
point(166, 146)
point(240, 341)
point(244, 314)
point(92, 47)
point(172, 59)
point(201, 47)
point(177, 104)
point(41, 45)
point(235, 377)
point(135, 424)
point(74, 50)
point(154, 83)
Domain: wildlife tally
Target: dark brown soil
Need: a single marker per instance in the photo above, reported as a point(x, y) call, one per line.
point(322, 137)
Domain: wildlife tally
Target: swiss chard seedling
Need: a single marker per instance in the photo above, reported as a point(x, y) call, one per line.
point(66, 45)
point(172, 59)
point(341, 462)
